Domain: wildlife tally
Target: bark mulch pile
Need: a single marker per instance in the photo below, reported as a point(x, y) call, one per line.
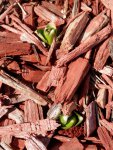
point(56, 75)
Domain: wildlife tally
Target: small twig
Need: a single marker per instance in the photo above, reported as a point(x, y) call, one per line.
point(51, 50)
point(3, 15)
point(35, 52)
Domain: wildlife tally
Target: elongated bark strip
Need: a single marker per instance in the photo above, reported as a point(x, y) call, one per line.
point(40, 127)
point(105, 138)
point(95, 25)
point(73, 32)
point(109, 5)
point(85, 46)
point(47, 15)
point(101, 55)
point(108, 80)
point(53, 8)
point(16, 84)
point(3, 15)
point(107, 125)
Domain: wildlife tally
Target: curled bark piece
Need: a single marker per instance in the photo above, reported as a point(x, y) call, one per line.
point(85, 46)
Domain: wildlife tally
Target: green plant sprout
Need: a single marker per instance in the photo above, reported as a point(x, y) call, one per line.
point(69, 121)
point(47, 34)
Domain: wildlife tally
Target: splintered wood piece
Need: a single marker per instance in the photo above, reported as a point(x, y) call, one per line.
point(16, 115)
point(102, 98)
point(73, 32)
point(73, 144)
point(75, 74)
point(42, 84)
point(108, 80)
point(14, 67)
point(40, 127)
point(18, 98)
point(95, 25)
point(93, 140)
point(5, 146)
point(51, 78)
point(84, 90)
point(62, 138)
point(103, 86)
point(34, 143)
point(68, 107)
point(84, 7)
point(4, 110)
point(107, 125)
point(91, 124)
point(55, 76)
point(31, 111)
point(52, 47)
point(76, 7)
point(5, 137)
point(32, 58)
point(28, 33)
point(47, 15)
point(53, 8)
point(9, 37)
point(85, 46)
point(11, 29)
point(12, 49)
point(105, 138)
point(102, 55)
point(107, 70)
point(16, 84)
point(108, 5)
point(29, 19)
point(108, 108)
point(32, 75)
point(10, 45)
point(3, 15)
